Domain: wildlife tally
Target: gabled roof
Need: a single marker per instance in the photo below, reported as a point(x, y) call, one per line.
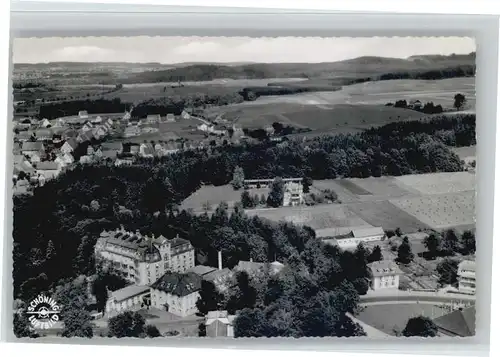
point(47, 165)
point(72, 143)
point(384, 267)
point(458, 323)
point(175, 242)
point(217, 274)
point(32, 146)
point(128, 292)
point(178, 284)
point(366, 232)
point(201, 270)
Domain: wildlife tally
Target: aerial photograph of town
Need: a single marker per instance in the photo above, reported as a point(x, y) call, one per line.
point(231, 187)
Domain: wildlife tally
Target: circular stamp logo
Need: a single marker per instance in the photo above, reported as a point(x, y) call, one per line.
point(44, 312)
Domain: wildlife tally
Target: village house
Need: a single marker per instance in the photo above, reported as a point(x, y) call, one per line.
point(293, 194)
point(152, 119)
point(170, 148)
point(219, 130)
point(170, 118)
point(30, 148)
point(142, 259)
point(24, 136)
point(86, 159)
point(96, 120)
point(132, 130)
point(85, 136)
point(45, 123)
point(124, 161)
point(126, 116)
point(48, 169)
point(64, 159)
point(129, 298)
point(146, 150)
point(21, 187)
point(205, 128)
point(262, 183)
point(185, 115)
point(467, 276)
point(176, 293)
point(43, 134)
point(82, 114)
point(69, 146)
point(384, 275)
point(69, 134)
point(87, 126)
point(219, 324)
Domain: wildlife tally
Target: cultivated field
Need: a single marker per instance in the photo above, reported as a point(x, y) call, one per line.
point(386, 215)
point(393, 317)
point(316, 217)
point(213, 195)
point(438, 183)
point(441, 211)
point(411, 203)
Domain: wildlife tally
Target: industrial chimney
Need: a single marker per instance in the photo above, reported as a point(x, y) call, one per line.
point(220, 259)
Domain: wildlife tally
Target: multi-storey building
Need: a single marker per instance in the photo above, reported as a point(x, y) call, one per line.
point(384, 275)
point(293, 195)
point(467, 276)
point(142, 260)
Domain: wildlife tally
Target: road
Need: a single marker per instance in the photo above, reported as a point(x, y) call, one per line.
point(414, 297)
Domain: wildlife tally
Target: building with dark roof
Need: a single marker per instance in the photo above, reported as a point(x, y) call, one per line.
point(177, 293)
point(459, 323)
point(385, 275)
point(143, 259)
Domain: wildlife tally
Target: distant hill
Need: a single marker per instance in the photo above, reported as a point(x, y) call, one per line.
point(361, 67)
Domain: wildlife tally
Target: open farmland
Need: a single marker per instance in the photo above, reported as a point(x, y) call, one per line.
point(438, 183)
point(213, 195)
point(393, 317)
point(386, 215)
point(316, 217)
point(441, 211)
point(378, 187)
point(318, 118)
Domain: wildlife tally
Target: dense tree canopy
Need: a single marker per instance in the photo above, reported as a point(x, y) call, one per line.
point(420, 326)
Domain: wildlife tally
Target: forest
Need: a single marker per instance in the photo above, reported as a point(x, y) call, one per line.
point(92, 106)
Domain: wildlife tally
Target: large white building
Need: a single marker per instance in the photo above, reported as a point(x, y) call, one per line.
point(176, 293)
point(467, 276)
point(294, 194)
point(385, 275)
point(132, 297)
point(141, 259)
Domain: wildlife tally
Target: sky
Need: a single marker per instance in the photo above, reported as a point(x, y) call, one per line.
point(167, 50)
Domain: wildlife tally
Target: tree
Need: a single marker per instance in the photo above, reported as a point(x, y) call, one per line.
point(238, 178)
point(468, 242)
point(127, 324)
point(263, 199)
point(75, 314)
point(202, 330)
point(209, 299)
point(306, 183)
point(450, 244)
point(375, 255)
point(152, 331)
point(420, 326)
point(277, 193)
point(398, 232)
point(405, 255)
point(432, 243)
point(22, 327)
point(51, 250)
point(246, 200)
point(448, 272)
point(460, 101)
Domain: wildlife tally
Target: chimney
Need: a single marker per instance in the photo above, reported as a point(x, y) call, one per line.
point(220, 260)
